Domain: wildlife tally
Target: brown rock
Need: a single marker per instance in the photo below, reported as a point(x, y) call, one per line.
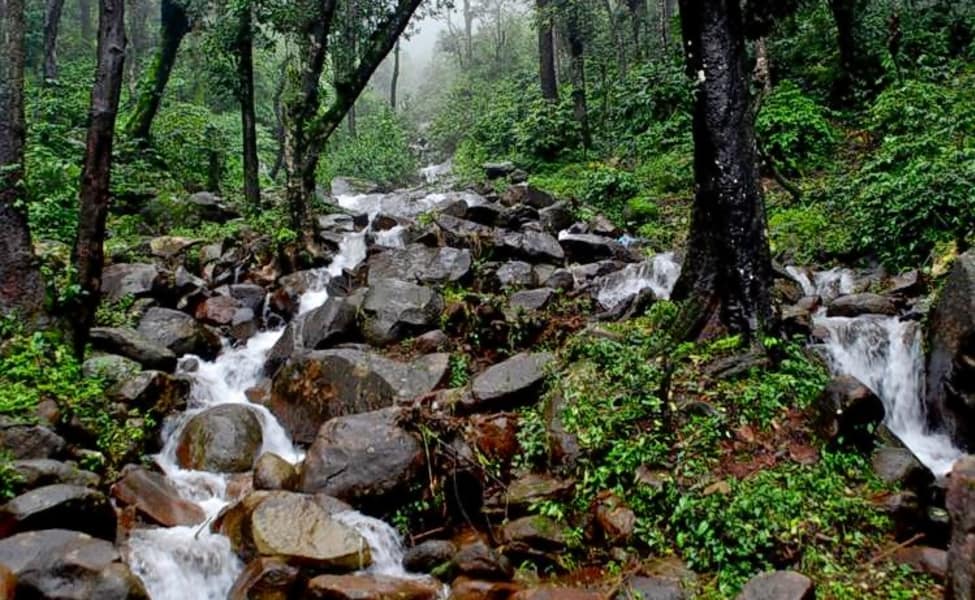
point(924, 559)
point(557, 593)
point(369, 587)
point(218, 310)
point(476, 589)
point(271, 472)
point(155, 498)
point(779, 585)
point(8, 583)
point(615, 519)
point(495, 436)
point(960, 502)
point(265, 579)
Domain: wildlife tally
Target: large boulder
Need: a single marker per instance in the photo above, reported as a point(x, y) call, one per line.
point(317, 386)
point(514, 382)
point(110, 368)
point(155, 498)
point(585, 248)
point(779, 585)
point(848, 410)
point(271, 472)
point(159, 393)
point(332, 323)
point(516, 274)
point(222, 439)
point(428, 556)
point(394, 310)
point(59, 564)
point(950, 366)
point(960, 502)
point(363, 459)
point(532, 246)
point(135, 280)
point(207, 206)
point(179, 332)
point(56, 506)
point(370, 587)
point(854, 305)
point(265, 578)
point(36, 472)
point(422, 264)
point(30, 441)
point(134, 345)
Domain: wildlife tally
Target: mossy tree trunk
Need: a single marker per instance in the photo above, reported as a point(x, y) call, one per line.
point(52, 19)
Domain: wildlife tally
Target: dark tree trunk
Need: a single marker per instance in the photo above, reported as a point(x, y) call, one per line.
point(468, 33)
point(175, 26)
point(665, 17)
point(279, 132)
point(139, 43)
point(84, 20)
point(857, 67)
point(727, 270)
point(546, 52)
point(395, 79)
point(96, 174)
point(638, 15)
point(52, 19)
point(21, 287)
point(245, 90)
point(577, 69)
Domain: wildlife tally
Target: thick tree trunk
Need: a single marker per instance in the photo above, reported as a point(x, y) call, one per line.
point(857, 67)
point(175, 26)
point(577, 69)
point(96, 174)
point(546, 52)
point(245, 91)
point(394, 81)
point(52, 19)
point(84, 20)
point(727, 270)
point(21, 287)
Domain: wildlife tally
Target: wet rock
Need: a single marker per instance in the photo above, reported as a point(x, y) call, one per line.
point(271, 472)
point(516, 274)
point(30, 441)
point(899, 467)
point(295, 528)
point(223, 439)
point(36, 472)
point(207, 206)
point(428, 556)
point(394, 310)
point(924, 559)
point(908, 283)
point(796, 320)
point(362, 459)
point(848, 410)
point(132, 344)
point(344, 186)
point(155, 498)
point(532, 246)
point(535, 532)
point(135, 280)
point(528, 195)
point(495, 436)
point(222, 310)
point(498, 170)
point(855, 305)
point(334, 322)
point(464, 588)
point(68, 565)
point(555, 218)
point(59, 506)
point(514, 382)
point(520, 217)
point(557, 593)
point(530, 300)
point(479, 561)
point(369, 587)
point(486, 214)
point(637, 587)
point(586, 274)
point(960, 502)
point(153, 391)
point(560, 279)
point(461, 233)
point(336, 222)
point(778, 585)
point(169, 246)
point(563, 445)
point(616, 520)
point(179, 332)
point(421, 264)
point(431, 341)
point(534, 488)
point(317, 386)
point(588, 248)
point(265, 578)
point(950, 361)
point(110, 368)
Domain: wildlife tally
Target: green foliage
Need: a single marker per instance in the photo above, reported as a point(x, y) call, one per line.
point(460, 370)
point(9, 477)
point(794, 131)
point(380, 152)
point(810, 232)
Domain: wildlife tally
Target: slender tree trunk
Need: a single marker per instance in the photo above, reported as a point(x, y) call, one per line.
point(139, 43)
point(665, 17)
point(175, 26)
point(762, 74)
point(279, 130)
point(84, 19)
point(395, 79)
point(96, 174)
point(638, 14)
point(245, 85)
point(21, 287)
point(468, 33)
point(727, 270)
point(577, 68)
point(857, 67)
point(546, 52)
point(351, 122)
point(52, 19)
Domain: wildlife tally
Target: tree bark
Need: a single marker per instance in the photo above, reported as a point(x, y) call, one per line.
point(52, 19)
point(175, 26)
point(857, 67)
point(395, 79)
point(279, 129)
point(665, 18)
point(84, 20)
point(139, 43)
point(727, 270)
point(96, 174)
point(21, 287)
point(245, 92)
point(546, 52)
point(468, 33)
point(577, 70)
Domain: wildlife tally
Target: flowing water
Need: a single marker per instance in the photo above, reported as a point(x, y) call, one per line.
point(886, 354)
point(192, 563)
point(660, 273)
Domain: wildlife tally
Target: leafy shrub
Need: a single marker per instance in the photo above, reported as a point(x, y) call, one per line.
point(793, 129)
point(808, 233)
point(545, 131)
point(380, 152)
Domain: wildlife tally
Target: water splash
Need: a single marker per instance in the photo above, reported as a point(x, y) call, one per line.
point(660, 274)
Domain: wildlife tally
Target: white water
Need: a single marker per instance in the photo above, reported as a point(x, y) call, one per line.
point(191, 563)
point(885, 354)
point(660, 273)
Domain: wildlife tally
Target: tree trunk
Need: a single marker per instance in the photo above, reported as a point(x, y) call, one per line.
point(727, 270)
point(139, 43)
point(21, 287)
point(175, 26)
point(279, 131)
point(762, 74)
point(395, 79)
point(638, 14)
point(577, 69)
point(468, 33)
point(84, 20)
point(96, 174)
point(665, 17)
point(52, 19)
point(245, 91)
point(546, 52)
point(857, 67)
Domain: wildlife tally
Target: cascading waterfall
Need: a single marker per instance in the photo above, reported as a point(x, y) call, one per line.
point(660, 273)
point(885, 353)
point(192, 563)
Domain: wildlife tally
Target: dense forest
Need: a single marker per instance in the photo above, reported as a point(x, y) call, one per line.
point(487, 299)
